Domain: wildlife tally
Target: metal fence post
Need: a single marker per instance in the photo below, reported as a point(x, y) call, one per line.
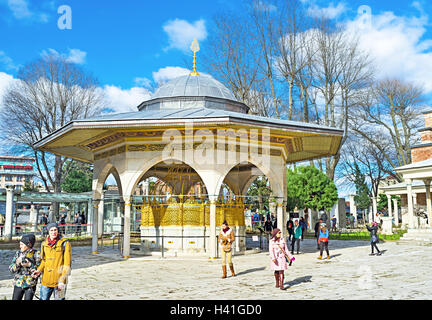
point(217, 246)
point(162, 246)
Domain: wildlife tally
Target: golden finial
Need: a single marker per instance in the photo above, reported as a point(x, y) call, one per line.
point(195, 48)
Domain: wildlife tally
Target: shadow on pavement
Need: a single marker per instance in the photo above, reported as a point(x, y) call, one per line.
point(251, 270)
point(81, 258)
point(298, 281)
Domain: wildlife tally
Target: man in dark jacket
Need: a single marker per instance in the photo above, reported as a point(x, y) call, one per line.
point(317, 227)
point(62, 223)
point(78, 222)
point(268, 226)
point(290, 228)
point(44, 221)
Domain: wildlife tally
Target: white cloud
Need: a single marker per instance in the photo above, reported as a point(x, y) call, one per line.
point(396, 46)
point(330, 12)
point(181, 33)
point(116, 98)
point(168, 73)
point(20, 10)
point(76, 56)
point(7, 62)
point(261, 5)
point(124, 100)
point(143, 82)
point(5, 81)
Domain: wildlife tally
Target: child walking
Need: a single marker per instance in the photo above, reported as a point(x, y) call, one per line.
point(323, 240)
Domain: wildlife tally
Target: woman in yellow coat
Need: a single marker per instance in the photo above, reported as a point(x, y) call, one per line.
point(56, 257)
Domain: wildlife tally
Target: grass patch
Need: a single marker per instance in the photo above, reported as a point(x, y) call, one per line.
point(361, 235)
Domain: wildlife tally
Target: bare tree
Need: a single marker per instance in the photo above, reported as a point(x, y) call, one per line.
point(361, 153)
point(49, 93)
point(390, 114)
point(292, 48)
point(229, 56)
point(264, 23)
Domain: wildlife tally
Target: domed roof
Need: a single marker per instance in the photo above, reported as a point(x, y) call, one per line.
point(194, 86)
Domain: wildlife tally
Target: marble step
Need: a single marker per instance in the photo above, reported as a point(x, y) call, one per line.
point(424, 242)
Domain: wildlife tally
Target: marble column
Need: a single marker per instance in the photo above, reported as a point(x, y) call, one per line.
point(410, 203)
point(427, 183)
point(95, 225)
point(33, 217)
point(281, 217)
point(212, 234)
point(389, 206)
point(100, 213)
point(126, 227)
point(415, 218)
point(9, 212)
point(396, 211)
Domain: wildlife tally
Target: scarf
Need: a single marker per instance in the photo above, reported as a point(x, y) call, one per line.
point(225, 229)
point(52, 242)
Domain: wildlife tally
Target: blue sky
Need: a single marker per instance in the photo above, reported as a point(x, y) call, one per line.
point(128, 44)
point(124, 42)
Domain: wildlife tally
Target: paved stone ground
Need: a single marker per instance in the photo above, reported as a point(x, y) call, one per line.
point(402, 272)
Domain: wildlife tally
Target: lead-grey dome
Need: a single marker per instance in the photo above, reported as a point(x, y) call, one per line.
point(194, 86)
point(193, 91)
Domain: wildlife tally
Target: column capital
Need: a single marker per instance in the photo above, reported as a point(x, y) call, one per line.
point(408, 181)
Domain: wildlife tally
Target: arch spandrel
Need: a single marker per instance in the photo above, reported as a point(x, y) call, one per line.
point(132, 178)
point(277, 181)
point(100, 176)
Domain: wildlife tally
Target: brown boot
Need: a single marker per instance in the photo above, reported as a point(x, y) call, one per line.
point(281, 277)
point(276, 274)
point(232, 269)
point(224, 272)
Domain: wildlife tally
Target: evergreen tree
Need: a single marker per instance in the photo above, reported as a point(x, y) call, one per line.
point(308, 187)
point(78, 177)
point(362, 199)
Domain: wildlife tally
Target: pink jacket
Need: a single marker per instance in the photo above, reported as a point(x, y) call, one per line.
point(277, 254)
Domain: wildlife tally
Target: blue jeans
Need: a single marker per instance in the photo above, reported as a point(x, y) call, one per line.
point(46, 292)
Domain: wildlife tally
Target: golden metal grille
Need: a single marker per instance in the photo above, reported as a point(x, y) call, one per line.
point(192, 213)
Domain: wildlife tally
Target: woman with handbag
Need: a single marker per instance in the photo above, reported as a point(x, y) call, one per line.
point(226, 238)
point(280, 256)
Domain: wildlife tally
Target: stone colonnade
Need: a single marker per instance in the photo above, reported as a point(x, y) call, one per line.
point(409, 219)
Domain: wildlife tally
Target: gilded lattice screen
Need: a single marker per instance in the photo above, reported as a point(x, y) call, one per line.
point(189, 213)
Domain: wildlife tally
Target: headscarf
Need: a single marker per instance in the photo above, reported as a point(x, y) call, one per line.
point(227, 228)
point(274, 233)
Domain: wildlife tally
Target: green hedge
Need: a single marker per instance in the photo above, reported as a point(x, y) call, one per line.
point(360, 235)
